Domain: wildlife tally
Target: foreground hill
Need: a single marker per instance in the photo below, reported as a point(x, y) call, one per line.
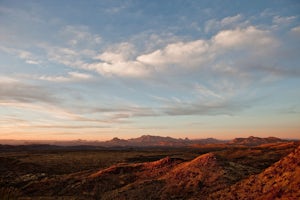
point(170, 179)
point(279, 181)
point(178, 182)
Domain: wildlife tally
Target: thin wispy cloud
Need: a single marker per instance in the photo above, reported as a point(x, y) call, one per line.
point(70, 77)
point(27, 56)
point(12, 90)
point(296, 31)
point(225, 23)
point(283, 20)
point(80, 36)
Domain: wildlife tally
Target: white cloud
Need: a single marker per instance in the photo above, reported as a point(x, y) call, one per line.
point(14, 90)
point(125, 68)
point(111, 57)
point(118, 53)
point(54, 111)
point(219, 107)
point(283, 20)
point(296, 30)
point(117, 9)
point(7, 80)
point(32, 62)
point(80, 36)
point(62, 55)
point(149, 41)
point(78, 75)
point(180, 53)
point(250, 37)
point(72, 76)
point(25, 15)
point(204, 53)
point(118, 60)
point(27, 56)
point(204, 91)
point(124, 60)
point(231, 20)
point(227, 22)
point(54, 78)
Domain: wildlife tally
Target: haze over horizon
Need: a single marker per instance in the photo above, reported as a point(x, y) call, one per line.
point(95, 70)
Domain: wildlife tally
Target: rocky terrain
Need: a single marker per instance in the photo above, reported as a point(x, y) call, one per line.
point(279, 181)
point(236, 170)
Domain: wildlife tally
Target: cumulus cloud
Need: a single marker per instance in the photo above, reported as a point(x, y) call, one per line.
point(231, 20)
point(184, 71)
point(122, 69)
point(112, 57)
point(250, 37)
point(230, 55)
point(117, 53)
point(124, 60)
point(77, 45)
point(213, 53)
point(202, 56)
point(180, 53)
point(118, 60)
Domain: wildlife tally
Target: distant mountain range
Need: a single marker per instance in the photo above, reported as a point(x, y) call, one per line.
point(255, 141)
point(143, 141)
point(150, 141)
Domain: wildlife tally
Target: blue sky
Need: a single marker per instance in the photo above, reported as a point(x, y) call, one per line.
point(100, 69)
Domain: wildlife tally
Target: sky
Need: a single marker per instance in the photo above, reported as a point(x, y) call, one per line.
point(95, 70)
